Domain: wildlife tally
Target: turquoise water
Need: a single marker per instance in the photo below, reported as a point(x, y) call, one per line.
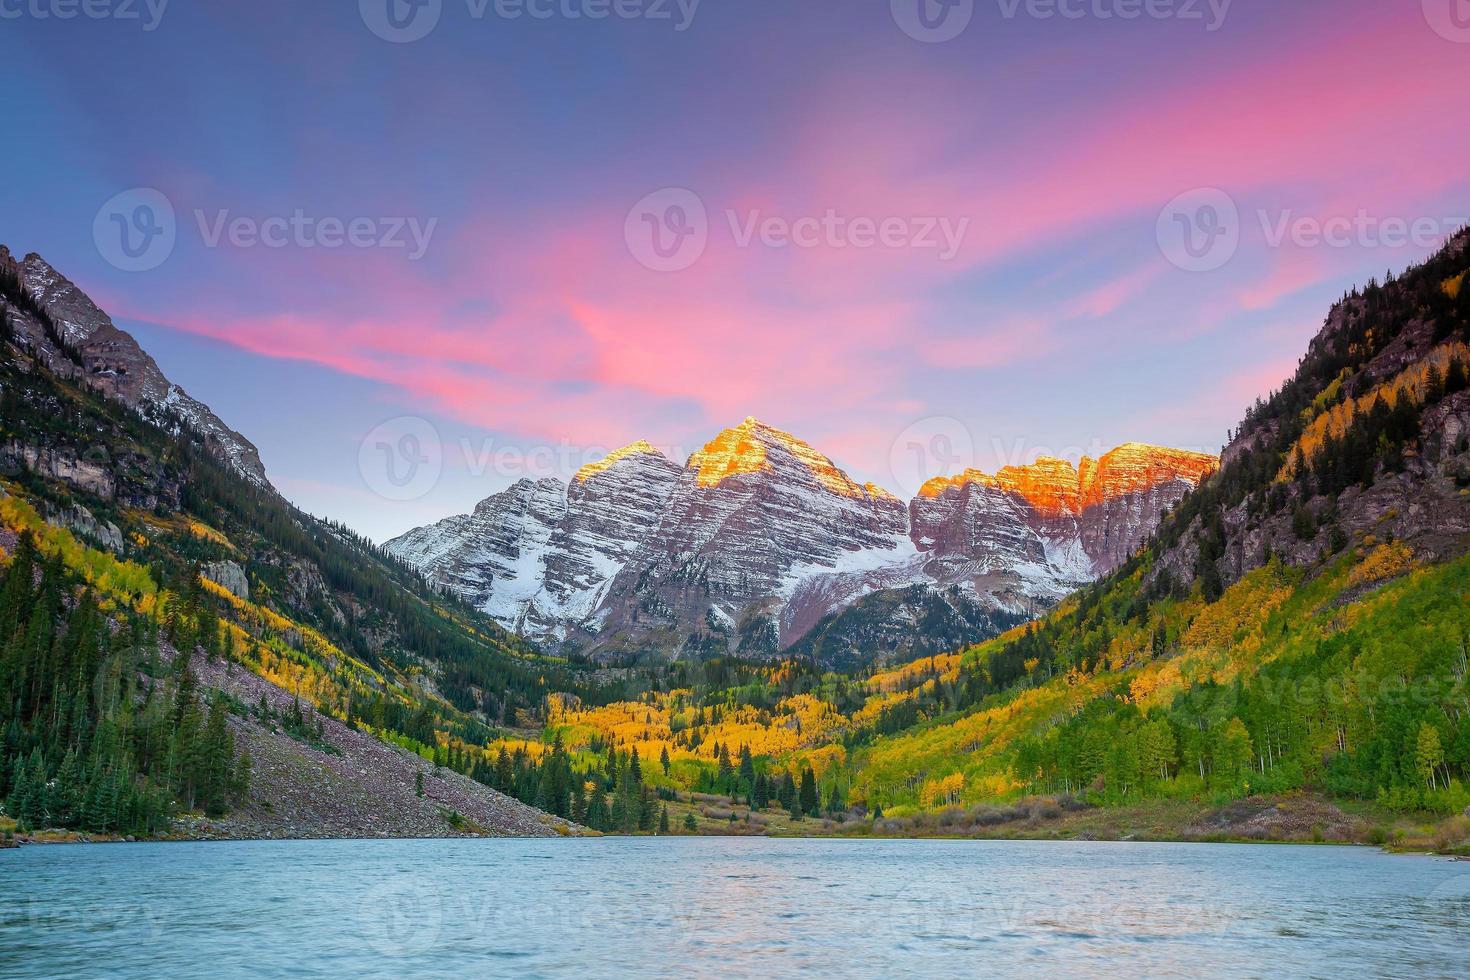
point(728, 907)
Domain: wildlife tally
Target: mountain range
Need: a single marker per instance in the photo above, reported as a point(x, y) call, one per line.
point(1325, 552)
point(759, 545)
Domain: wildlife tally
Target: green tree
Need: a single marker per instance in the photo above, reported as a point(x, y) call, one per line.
point(1428, 755)
point(1157, 749)
point(1233, 752)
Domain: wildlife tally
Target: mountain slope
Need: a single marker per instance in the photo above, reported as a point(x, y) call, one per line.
point(759, 544)
point(80, 341)
point(144, 519)
point(1299, 622)
point(1296, 632)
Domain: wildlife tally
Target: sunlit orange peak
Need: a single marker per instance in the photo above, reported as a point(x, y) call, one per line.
point(640, 448)
point(746, 449)
point(1054, 486)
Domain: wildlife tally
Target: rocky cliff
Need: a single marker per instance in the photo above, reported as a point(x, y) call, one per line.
point(83, 343)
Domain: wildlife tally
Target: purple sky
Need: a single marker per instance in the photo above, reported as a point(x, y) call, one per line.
point(917, 254)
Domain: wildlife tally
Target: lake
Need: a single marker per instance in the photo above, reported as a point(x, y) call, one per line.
point(727, 907)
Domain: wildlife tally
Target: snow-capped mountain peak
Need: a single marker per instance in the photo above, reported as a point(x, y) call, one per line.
point(760, 542)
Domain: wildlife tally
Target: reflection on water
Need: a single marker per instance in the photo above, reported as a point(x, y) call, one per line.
point(736, 907)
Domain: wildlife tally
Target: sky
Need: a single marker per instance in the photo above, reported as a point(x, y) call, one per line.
point(418, 250)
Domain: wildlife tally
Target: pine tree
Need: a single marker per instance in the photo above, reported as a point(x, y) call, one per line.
point(836, 803)
point(504, 779)
point(747, 769)
point(808, 800)
point(725, 770)
point(760, 794)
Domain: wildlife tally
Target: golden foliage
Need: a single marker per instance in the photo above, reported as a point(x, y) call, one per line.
point(1410, 383)
point(1384, 562)
point(1244, 606)
point(945, 666)
point(942, 792)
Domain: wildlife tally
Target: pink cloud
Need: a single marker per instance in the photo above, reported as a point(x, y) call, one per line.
point(581, 342)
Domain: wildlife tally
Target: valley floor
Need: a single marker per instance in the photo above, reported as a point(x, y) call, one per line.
point(315, 801)
point(1295, 818)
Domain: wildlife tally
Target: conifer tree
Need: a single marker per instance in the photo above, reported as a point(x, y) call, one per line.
point(808, 801)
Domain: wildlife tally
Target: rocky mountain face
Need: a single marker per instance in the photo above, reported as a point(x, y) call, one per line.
point(1367, 446)
point(759, 544)
point(83, 343)
point(94, 439)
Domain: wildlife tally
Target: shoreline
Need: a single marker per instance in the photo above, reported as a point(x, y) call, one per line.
point(1295, 818)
